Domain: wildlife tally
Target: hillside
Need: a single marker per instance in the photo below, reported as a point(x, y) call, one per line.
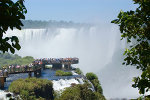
point(7, 59)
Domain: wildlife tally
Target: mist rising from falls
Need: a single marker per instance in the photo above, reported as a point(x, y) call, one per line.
point(98, 48)
point(88, 43)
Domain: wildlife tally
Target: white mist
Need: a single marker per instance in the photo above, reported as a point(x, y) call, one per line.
point(98, 48)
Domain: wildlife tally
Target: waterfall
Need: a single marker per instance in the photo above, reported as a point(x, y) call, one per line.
point(98, 48)
point(62, 84)
point(7, 95)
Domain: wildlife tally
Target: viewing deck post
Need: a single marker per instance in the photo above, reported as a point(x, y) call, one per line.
point(39, 72)
point(30, 74)
point(35, 73)
point(43, 66)
point(57, 66)
point(67, 66)
point(2, 81)
point(5, 76)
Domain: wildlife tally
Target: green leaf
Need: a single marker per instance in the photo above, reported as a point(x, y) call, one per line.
point(12, 50)
point(18, 47)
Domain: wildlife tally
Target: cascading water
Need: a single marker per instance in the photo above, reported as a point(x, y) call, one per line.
point(7, 95)
point(98, 48)
point(63, 83)
point(88, 43)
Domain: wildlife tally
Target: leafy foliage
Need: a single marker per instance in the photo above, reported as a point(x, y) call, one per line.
point(94, 80)
point(80, 92)
point(62, 73)
point(135, 27)
point(78, 71)
point(10, 15)
point(143, 98)
point(91, 76)
point(32, 88)
point(7, 59)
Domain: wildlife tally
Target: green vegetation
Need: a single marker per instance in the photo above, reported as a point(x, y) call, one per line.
point(36, 24)
point(32, 89)
point(42, 89)
point(83, 91)
point(135, 27)
point(7, 59)
point(94, 80)
point(78, 71)
point(91, 76)
point(143, 98)
point(11, 15)
point(62, 73)
point(80, 92)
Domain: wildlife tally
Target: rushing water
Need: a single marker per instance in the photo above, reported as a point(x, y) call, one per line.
point(59, 82)
point(3, 95)
point(50, 75)
point(98, 48)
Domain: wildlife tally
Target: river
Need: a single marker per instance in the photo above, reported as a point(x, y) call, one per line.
point(47, 74)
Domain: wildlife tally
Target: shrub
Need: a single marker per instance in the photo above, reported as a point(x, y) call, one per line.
point(94, 80)
point(62, 73)
point(91, 76)
point(78, 71)
point(97, 86)
point(80, 92)
point(99, 96)
point(32, 88)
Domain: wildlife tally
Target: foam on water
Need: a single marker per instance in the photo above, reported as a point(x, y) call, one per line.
point(63, 83)
point(73, 73)
point(3, 95)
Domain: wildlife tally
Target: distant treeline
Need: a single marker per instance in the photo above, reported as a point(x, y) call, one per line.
point(7, 59)
point(52, 23)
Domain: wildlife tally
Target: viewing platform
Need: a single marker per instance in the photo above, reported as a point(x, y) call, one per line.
point(57, 63)
point(36, 67)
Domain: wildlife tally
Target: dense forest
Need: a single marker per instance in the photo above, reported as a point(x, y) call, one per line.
point(51, 23)
point(7, 59)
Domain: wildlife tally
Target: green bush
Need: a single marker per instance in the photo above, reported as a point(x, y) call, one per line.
point(78, 71)
point(99, 96)
point(97, 86)
point(32, 88)
point(80, 92)
point(62, 73)
point(91, 76)
point(94, 80)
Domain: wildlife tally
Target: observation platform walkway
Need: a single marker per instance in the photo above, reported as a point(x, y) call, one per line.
point(36, 67)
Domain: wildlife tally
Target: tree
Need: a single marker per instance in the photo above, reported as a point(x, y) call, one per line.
point(80, 92)
point(91, 76)
point(32, 88)
point(10, 17)
point(135, 27)
point(94, 80)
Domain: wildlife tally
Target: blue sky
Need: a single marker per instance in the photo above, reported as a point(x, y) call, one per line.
point(76, 10)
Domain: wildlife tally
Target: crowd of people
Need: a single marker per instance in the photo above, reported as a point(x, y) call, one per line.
point(20, 67)
point(3, 71)
point(55, 60)
point(36, 63)
point(16, 68)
